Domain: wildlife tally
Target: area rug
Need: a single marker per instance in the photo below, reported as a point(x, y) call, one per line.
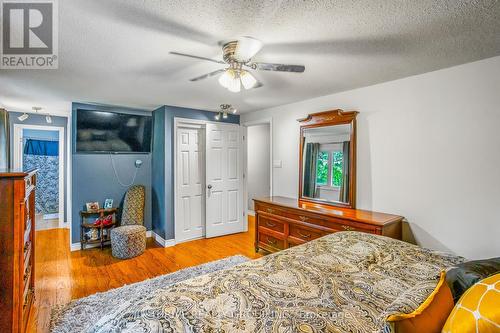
point(79, 315)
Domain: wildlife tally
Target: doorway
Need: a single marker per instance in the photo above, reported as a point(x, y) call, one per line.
point(41, 147)
point(208, 172)
point(258, 162)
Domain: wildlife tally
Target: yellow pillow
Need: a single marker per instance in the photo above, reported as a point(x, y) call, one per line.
point(478, 310)
point(430, 316)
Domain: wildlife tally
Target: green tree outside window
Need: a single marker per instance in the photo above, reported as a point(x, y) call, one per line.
point(337, 169)
point(322, 168)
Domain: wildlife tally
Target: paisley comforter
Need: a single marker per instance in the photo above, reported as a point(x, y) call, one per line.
point(344, 282)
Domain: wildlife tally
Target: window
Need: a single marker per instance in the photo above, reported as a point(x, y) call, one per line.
point(322, 168)
point(329, 168)
point(337, 168)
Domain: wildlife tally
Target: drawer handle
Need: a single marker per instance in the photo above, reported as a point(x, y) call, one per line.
point(303, 218)
point(303, 235)
point(269, 224)
point(348, 228)
point(271, 241)
point(270, 210)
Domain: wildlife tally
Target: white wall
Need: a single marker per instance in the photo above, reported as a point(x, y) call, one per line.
point(428, 149)
point(258, 157)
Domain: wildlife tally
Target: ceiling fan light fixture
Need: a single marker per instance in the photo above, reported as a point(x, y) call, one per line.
point(234, 85)
point(217, 116)
point(23, 117)
point(246, 48)
point(248, 80)
point(226, 78)
point(48, 119)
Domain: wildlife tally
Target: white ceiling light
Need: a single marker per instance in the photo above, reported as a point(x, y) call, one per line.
point(223, 112)
point(23, 117)
point(246, 48)
point(233, 78)
point(226, 77)
point(247, 80)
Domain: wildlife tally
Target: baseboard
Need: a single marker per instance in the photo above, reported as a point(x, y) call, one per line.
point(160, 240)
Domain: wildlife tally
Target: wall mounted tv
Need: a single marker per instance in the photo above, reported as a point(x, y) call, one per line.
point(112, 132)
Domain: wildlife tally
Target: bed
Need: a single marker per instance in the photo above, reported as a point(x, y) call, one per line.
point(344, 282)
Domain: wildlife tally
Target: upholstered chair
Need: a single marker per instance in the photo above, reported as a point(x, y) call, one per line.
point(129, 239)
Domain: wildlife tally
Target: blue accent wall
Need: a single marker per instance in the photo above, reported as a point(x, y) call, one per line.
point(93, 178)
point(36, 119)
point(163, 162)
point(158, 172)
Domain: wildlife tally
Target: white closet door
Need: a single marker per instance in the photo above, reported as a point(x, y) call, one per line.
point(190, 208)
point(224, 179)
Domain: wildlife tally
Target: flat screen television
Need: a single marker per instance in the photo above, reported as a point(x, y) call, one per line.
point(112, 132)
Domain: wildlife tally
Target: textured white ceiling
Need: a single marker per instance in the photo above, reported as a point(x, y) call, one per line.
point(116, 52)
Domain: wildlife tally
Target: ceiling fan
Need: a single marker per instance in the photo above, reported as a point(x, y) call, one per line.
point(238, 55)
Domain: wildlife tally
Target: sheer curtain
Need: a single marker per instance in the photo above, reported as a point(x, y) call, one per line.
point(344, 188)
point(310, 163)
point(44, 156)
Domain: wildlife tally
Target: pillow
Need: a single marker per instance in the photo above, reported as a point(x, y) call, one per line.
point(430, 316)
point(478, 309)
point(465, 275)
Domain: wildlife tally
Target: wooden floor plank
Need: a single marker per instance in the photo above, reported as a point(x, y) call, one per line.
point(62, 275)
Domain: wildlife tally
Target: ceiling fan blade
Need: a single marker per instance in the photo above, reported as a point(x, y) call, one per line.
point(197, 57)
point(246, 48)
point(202, 77)
point(278, 67)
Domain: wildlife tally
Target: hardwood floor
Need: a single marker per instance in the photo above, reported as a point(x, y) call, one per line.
point(62, 275)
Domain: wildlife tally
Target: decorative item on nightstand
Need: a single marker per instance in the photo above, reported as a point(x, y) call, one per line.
point(92, 206)
point(108, 204)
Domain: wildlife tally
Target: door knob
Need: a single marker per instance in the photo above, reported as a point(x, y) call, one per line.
point(209, 187)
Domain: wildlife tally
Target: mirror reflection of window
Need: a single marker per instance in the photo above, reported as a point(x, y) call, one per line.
point(337, 166)
point(329, 167)
point(325, 155)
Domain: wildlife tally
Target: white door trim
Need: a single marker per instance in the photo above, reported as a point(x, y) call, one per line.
point(245, 151)
point(18, 160)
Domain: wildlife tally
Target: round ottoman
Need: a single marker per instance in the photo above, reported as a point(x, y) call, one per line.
point(128, 241)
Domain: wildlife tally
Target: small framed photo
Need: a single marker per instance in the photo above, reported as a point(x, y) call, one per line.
point(108, 204)
point(92, 206)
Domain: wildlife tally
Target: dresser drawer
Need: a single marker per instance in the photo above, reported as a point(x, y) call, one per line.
point(271, 222)
point(266, 240)
point(304, 233)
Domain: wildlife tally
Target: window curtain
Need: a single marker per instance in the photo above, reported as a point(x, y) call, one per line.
point(41, 147)
point(344, 188)
point(310, 163)
point(44, 156)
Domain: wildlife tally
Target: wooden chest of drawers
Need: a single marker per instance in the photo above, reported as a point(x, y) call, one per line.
point(284, 222)
point(17, 248)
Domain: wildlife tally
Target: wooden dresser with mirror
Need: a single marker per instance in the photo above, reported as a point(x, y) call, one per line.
point(327, 190)
point(17, 248)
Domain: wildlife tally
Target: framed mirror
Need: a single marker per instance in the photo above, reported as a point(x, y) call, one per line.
point(327, 151)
